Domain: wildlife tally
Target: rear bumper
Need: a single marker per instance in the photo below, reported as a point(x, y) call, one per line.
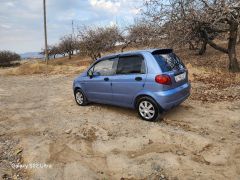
point(171, 98)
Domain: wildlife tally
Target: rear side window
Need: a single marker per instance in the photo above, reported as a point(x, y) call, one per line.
point(131, 65)
point(168, 62)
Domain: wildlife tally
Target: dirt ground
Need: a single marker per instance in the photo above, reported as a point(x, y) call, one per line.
point(41, 123)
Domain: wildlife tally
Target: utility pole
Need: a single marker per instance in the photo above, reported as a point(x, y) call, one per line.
point(72, 27)
point(45, 30)
point(73, 35)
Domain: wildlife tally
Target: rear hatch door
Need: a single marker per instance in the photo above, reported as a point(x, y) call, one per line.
point(171, 65)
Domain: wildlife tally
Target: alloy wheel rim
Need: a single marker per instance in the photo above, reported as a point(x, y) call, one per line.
point(146, 109)
point(79, 97)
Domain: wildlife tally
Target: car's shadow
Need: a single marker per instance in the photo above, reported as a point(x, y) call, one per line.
point(118, 109)
point(132, 113)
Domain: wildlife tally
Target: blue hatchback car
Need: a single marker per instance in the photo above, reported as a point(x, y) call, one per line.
point(151, 81)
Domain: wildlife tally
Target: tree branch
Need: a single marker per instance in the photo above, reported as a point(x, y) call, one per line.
point(212, 44)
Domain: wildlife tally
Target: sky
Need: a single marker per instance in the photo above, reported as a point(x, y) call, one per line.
point(21, 21)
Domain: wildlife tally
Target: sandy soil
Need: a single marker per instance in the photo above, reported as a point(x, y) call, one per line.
point(40, 123)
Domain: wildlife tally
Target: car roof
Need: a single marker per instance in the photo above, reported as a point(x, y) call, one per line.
point(134, 52)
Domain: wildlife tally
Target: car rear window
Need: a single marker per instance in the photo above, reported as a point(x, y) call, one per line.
point(168, 62)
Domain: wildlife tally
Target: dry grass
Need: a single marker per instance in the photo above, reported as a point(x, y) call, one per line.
point(208, 72)
point(74, 61)
point(212, 59)
point(41, 68)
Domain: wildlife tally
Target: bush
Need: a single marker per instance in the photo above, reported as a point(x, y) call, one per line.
point(7, 58)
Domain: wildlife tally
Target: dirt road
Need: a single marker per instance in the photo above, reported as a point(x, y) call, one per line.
point(195, 141)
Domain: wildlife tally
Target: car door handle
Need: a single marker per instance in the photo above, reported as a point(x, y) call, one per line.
point(106, 79)
point(138, 78)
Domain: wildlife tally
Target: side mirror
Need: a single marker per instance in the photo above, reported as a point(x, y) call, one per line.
point(92, 74)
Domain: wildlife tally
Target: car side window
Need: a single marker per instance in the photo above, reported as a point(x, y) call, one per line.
point(131, 65)
point(105, 67)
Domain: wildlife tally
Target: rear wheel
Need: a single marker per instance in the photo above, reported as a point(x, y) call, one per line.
point(80, 98)
point(148, 109)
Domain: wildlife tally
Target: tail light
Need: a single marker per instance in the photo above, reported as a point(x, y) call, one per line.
point(163, 79)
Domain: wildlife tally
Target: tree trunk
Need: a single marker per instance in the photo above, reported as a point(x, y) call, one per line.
point(95, 57)
point(99, 55)
point(54, 56)
point(238, 41)
point(233, 63)
point(203, 48)
point(191, 46)
point(69, 55)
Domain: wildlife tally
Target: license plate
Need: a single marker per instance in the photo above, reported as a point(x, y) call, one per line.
point(180, 77)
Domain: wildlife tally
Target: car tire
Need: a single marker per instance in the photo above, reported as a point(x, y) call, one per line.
point(148, 109)
point(80, 98)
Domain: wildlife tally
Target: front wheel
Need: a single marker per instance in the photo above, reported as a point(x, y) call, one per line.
point(148, 109)
point(80, 98)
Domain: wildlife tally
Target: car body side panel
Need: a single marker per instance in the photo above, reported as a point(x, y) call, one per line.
point(125, 87)
point(170, 98)
point(97, 89)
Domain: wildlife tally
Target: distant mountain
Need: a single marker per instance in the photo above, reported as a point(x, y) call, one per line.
point(32, 55)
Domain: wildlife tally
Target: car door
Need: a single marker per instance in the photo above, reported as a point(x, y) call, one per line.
point(98, 86)
point(129, 79)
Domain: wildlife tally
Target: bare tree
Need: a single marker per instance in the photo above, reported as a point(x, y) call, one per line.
point(54, 50)
point(199, 21)
point(66, 45)
point(95, 40)
point(143, 34)
point(7, 57)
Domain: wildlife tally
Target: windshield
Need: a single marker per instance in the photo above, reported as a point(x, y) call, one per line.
point(169, 62)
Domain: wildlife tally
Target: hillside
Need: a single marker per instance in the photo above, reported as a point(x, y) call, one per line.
point(31, 55)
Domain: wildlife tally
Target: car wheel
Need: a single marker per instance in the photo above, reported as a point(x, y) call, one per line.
point(80, 98)
point(148, 109)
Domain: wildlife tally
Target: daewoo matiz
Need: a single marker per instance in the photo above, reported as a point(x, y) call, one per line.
point(151, 81)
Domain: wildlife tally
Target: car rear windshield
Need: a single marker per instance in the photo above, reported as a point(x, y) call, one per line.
point(168, 62)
